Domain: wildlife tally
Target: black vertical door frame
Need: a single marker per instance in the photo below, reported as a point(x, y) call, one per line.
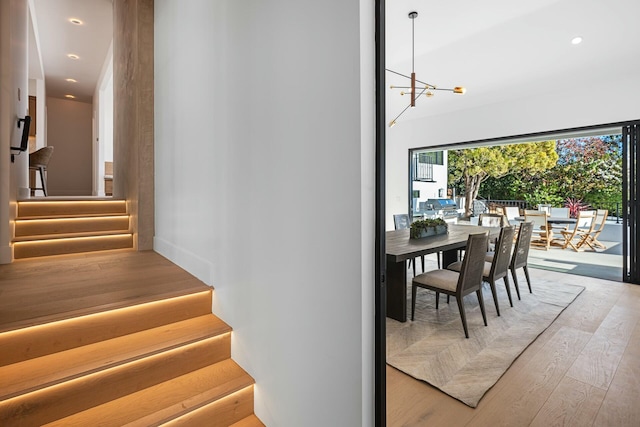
point(380, 374)
point(630, 202)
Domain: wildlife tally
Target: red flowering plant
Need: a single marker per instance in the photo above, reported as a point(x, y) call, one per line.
point(575, 205)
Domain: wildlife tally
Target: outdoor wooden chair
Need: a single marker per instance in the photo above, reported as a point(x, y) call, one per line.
point(457, 284)
point(512, 212)
point(559, 213)
point(498, 267)
point(541, 228)
point(584, 225)
point(492, 220)
point(590, 238)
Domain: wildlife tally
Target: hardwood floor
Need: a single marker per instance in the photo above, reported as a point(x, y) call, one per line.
point(55, 288)
point(584, 370)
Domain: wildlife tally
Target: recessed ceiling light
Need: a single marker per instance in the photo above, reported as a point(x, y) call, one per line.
point(73, 56)
point(69, 96)
point(71, 80)
point(75, 21)
point(576, 40)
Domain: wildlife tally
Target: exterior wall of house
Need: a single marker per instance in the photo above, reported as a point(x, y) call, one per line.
point(576, 106)
point(14, 103)
point(264, 158)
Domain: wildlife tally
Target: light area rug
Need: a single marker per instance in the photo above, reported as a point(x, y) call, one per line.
point(433, 347)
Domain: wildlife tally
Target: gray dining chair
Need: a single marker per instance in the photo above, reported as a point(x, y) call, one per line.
point(520, 255)
point(458, 284)
point(498, 267)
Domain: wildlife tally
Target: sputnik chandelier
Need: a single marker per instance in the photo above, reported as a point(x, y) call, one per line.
point(416, 93)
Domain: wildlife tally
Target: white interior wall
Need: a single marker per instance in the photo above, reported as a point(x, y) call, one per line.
point(262, 190)
point(103, 128)
point(41, 111)
point(575, 107)
point(14, 102)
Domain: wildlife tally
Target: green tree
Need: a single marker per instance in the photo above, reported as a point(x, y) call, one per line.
point(473, 166)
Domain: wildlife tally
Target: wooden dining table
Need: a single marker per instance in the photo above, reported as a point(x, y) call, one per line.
point(399, 248)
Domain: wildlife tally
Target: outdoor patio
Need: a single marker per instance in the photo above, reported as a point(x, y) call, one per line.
point(603, 264)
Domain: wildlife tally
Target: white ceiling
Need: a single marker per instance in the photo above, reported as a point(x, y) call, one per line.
point(497, 49)
point(58, 37)
point(505, 49)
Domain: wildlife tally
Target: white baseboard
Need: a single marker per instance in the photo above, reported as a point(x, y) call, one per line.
point(6, 254)
point(195, 265)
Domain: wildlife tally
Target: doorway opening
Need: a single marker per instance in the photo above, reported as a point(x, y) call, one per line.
point(586, 176)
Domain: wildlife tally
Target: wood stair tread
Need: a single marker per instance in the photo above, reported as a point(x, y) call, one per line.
point(164, 401)
point(57, 367)
point(98, 306)
point(250, 421)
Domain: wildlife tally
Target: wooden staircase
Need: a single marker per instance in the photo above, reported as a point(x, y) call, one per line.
point(55, 227)
point(159, 361)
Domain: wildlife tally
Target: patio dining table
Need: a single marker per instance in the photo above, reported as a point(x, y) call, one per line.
point(399, 248)
point(553, 220)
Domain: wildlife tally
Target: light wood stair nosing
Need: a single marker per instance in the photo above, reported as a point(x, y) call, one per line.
point(60, 236)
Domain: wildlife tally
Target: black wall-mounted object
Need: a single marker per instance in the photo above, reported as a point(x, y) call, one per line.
point(24, 142)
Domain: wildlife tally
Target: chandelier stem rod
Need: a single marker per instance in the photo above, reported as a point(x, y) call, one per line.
point(413, 44)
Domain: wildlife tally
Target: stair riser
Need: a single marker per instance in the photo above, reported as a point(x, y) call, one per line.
point(19, 345)
point(52, 403)
point(221, 413)
point(70, 208)
point(48, 227)
point(40, 248)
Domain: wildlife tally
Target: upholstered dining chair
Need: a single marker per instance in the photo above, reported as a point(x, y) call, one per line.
point(401, 222)
point(457, 284)
point(39, 160)
point(498, 267)
point(520, 256)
